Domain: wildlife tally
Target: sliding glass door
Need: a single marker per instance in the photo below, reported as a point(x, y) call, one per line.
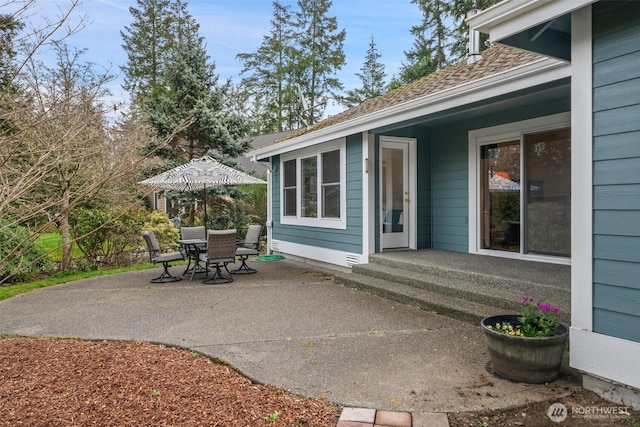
point(525, 194)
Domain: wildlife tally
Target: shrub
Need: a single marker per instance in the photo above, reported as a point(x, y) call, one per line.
point(107, 235)
point(164, 229)
point(21, 258)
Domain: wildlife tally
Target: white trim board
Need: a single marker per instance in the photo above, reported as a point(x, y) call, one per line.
point(511, 17)
point(314, 253)
point(607, 357)
point(582, 172)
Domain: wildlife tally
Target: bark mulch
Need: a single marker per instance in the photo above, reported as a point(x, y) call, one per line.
point(67, 382)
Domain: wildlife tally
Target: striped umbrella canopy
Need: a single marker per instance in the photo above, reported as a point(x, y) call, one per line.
point(199, 174)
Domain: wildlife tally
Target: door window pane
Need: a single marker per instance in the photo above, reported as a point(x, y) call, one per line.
point(500, 196)
point(289, 188)
point(309, 194)
point(393, 190)
point(548, 193)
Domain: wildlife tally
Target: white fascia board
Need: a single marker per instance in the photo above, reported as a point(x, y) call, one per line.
point(534, 73)
point(513, 16)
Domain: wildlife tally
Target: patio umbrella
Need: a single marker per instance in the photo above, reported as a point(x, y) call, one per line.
point(500, 183)
point(199, 174)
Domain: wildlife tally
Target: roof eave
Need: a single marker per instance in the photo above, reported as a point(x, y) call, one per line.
point(531, 74)
point(511, 17)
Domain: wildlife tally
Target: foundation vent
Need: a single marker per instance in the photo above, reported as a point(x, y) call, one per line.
point(352, 259)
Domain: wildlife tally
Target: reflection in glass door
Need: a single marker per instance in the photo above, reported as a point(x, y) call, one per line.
point(548, 193)
point(525, 194)
point(500, 196)
point(395, 194)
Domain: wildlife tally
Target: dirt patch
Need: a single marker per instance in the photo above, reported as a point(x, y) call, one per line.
point(67, 382)
point(582, 408)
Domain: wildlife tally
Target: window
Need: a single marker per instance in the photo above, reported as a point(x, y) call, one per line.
point(309, 187)
point(313, 187)
point(331, 184)
point(289, 192)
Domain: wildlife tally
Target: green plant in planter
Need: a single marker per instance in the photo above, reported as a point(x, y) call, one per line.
point(529, 346)
point(536, 320)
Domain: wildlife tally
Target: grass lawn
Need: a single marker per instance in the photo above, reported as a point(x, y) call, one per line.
point(51, 242)
point(8, 291)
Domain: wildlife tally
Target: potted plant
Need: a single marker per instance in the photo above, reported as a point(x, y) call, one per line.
point(526, 347)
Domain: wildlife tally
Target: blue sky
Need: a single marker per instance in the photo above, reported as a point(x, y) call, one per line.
point(237, 26)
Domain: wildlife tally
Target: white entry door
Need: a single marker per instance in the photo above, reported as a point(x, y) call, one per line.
point(395, 193)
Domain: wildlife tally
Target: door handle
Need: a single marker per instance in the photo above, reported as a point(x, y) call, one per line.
point(407, 200)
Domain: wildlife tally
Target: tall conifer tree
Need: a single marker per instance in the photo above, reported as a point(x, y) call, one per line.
point(440, 39)
point(268, 74)
point(372, 75)
point(320, 55)
point(147, 42)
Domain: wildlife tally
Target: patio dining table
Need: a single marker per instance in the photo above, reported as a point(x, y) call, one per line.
point(193, 249)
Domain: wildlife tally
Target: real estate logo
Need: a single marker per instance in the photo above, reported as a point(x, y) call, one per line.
point(557, 412)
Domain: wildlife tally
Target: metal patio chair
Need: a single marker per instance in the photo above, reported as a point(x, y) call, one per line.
point(157, 256)
point(221, 251)
point(250, 246)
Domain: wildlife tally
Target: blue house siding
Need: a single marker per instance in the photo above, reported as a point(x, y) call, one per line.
point(616, 169)
point(450, 189)
point(349, 240)
point(424, 195)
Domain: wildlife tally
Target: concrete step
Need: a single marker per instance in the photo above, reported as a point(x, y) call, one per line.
point(456, 292)
point(451, 306)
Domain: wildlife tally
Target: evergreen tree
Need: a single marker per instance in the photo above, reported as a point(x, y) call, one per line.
point(267, 83)
point(193, 99)
point(319, 56)
point(9, 29)
point(147, 42)
point(371, 75)
point(459, 10)
point(440, 39)
point(432, 41)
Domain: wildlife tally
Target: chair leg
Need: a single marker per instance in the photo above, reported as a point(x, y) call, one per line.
point(218, 277)
point(188, 269)
point(244, 268)
point(166, 277)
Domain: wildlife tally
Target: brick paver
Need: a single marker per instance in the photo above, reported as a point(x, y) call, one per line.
point(362, 417)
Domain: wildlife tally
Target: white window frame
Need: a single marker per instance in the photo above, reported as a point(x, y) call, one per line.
point(318, 150)
point(496, 134)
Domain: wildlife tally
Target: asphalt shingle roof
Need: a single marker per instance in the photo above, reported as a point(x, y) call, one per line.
point(494, 60)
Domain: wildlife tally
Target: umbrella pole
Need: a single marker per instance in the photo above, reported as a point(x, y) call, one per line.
point(205, 209)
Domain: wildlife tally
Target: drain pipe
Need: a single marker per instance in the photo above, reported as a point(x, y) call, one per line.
point(474, 41)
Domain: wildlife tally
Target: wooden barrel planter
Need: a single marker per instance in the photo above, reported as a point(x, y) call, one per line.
point(525, 359)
